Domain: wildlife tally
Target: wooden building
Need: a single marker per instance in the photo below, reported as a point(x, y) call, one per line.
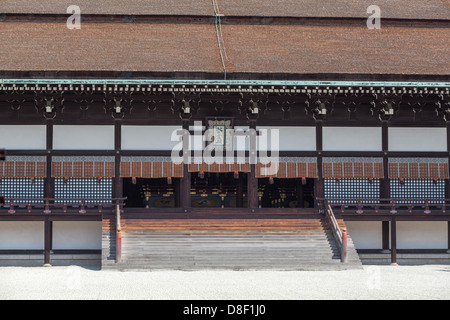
point(357, 120)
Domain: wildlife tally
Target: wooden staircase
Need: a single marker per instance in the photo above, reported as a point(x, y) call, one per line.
point(297, 242)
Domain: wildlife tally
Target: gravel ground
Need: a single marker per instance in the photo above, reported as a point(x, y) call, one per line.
point(374, 282)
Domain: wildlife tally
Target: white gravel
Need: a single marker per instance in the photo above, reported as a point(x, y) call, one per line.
point(374, 282)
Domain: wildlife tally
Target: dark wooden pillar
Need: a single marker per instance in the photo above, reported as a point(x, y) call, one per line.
point(48, 230)
point(49, 183)
point(49, 192)
point(252, 182)
point(394, 241)
point(447, 187)
point(186, 180)
point(447, 184)
point(385, 185)
point(447, 181)
point(448, 237)
point(118, 188)
point(320, 184)
point(240, 191)
point(300, 199)
point(186, 188)
point(177, 191)
point(385, 235)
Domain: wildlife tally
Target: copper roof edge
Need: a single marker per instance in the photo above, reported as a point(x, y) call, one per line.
point(257, 83)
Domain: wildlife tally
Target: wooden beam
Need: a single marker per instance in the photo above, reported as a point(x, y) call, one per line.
point(388, 216)
point(167, 153)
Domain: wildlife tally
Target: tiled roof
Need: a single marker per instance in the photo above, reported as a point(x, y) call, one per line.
point(338, 49)
point(109, 46)
point(132, 7)
point(288, 49)
point(286, 37)
point(400, 9)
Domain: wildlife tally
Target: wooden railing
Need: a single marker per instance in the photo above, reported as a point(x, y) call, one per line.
point(65, 206)
point(340, 235)
point(392, 206)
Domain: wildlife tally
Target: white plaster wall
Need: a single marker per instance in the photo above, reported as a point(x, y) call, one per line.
point(365, 234)
point(352, 139)
point(410, 234)
point(77, 235)
point(83, 137)
point(287, 138)
point(421, 235)
point(149, 137)
point(22, 137)
point(417, 139)
point(21, 235)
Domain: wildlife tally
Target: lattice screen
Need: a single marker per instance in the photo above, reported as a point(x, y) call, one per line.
point(352, 189)
point(83, 189)
point(22, 188)
point(418, 189)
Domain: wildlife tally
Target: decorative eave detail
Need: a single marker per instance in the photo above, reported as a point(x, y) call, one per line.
point(250, 86)
point(319, 100)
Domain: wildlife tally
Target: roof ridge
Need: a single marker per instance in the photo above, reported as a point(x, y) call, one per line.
point(233, 20)
point(406, 9)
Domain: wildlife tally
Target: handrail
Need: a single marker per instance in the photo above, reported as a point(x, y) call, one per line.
point(383, 199)
point(387, 204)
point(48, 204)
point(64, 199)
point(340, 236)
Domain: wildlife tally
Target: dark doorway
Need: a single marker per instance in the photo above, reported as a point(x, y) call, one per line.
point(218, 190)
point(286, 193)
point(150, 193)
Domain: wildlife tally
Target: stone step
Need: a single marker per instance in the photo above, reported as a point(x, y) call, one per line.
point(244, 245)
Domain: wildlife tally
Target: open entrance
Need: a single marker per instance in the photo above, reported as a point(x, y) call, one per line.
point(218, 190)
point(150, 193)
point(286, 193)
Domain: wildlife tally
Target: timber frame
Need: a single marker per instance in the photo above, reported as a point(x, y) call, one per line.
point(280, 103)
